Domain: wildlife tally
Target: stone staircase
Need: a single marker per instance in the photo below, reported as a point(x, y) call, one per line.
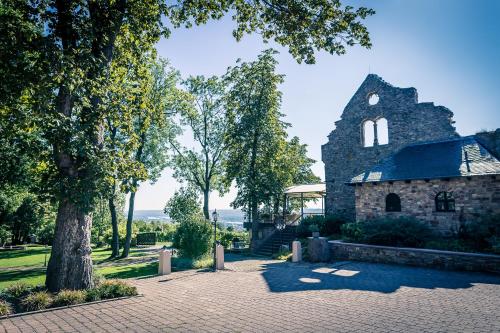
point(273, 243)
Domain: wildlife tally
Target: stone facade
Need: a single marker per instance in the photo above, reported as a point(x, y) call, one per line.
point(408, 121)
point(415, 257)
point(474, 196)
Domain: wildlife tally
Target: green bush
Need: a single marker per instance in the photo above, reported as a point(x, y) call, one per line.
point(146, 238)
point(226, 236)
point(93, 295)
point(112, 289)
point(122, 231)
point(37, 301)
point(5, 235)
point(401, 231)
point(304, 227)
point(17, 290)
point(69, 297)
point(193, 237)
point(5, 308)
point(484, 234)
point(332, 225)
point(351, 231)
point(46, 234)
point(327, 225)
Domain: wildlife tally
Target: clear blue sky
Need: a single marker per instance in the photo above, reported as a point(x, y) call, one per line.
point(448, 49)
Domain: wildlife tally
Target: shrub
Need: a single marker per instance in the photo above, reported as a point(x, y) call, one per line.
point(69, 297)
point(93, 294)
point(328, 225)
point(332, 225)
point(115, 288)
point(146, 238)
point(5, 308)
point(351, 231)
point(37, 301)
point(193, 237)
point(122, 231)
point(483, 235)
point(5, 235)
point(17, 290)
point(303, 229)
point(392, 232)
point(46, 234)
point(226, 236)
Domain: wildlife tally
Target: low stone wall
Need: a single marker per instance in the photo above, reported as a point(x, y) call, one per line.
point(415, 257)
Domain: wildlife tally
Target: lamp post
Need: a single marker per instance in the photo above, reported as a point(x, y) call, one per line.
point(280, 226)
point(214, 218)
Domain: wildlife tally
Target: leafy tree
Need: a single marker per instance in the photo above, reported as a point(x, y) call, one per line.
point(27, 219)
point(66, 49)
point(255, 129)
point(261, 160)
point(160, 99)
point(183, 205)
point(302, 25)
point(202, 167)
point(5, 234)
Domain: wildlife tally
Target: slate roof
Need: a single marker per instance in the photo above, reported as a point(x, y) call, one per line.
point(458, 157)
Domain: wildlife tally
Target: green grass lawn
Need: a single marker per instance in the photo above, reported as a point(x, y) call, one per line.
point(28, 265)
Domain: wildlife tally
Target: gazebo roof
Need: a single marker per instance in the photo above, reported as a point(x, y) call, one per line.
point(306, 191)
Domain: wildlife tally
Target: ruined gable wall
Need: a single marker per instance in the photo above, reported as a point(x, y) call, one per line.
point(408, 121)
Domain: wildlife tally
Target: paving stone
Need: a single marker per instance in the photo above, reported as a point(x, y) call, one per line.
point(259, 295)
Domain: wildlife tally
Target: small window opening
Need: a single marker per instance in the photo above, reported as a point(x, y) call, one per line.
point(445, 202)
point(373, 99)
point(392, 203)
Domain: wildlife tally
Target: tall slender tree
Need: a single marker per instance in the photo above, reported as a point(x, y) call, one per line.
point(153, 126)
point(256, 130)
point(202, 166)
point(261, 160)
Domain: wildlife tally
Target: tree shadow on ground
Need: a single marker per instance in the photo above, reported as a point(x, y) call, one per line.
point(383, 278)
point(15, 275)
point(30, 251)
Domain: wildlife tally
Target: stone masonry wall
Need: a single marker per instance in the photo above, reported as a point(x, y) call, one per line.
point(408, 121)
point(474, 196)
point(415, 257)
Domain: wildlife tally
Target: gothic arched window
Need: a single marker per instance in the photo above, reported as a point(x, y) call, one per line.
point(382, 131)
point(392, 203)
point(368, 133)
point(445, 202)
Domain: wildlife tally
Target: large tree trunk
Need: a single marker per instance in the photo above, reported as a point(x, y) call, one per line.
point(115, 240)
point(206, 196)
point(130, 218)
point(70, 264)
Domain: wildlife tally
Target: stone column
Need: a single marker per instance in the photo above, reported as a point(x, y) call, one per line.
point(296, 251)
point(219, 256)
point(165, 261)
point(318, 249)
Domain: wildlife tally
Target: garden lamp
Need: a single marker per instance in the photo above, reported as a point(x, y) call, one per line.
point(214, 218)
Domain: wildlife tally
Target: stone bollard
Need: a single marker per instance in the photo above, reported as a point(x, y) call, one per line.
point(219, 254)
point(164, 266)
point(318, 249)
point(296, 251)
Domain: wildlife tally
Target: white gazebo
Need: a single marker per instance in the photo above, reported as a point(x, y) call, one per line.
point(306, 191)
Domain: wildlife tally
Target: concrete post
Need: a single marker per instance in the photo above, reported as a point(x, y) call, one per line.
point(165, 264)
point(220, 256)
point(296, 251)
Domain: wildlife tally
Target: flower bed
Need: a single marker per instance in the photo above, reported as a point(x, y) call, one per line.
point(21, 297)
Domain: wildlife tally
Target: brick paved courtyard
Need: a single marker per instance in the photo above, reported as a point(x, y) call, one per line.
point(271, 296)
